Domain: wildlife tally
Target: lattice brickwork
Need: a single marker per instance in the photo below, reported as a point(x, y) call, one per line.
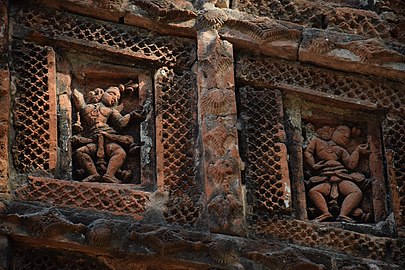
point(120, 200)
point(263, 143)
point(130, 41)
point(282, 10)
point(263, 72)
point(47, 259)
point(318, 15)
point(398, 251)
point(32, 112)
point(360, 22)
point(176, 104)
point(313, 235)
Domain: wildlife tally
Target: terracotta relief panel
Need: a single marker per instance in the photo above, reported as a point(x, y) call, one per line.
point(342, 173)
point(336, 174)
point(316, 103)
point(106, 121)
point(106, 140)
point(105, 130)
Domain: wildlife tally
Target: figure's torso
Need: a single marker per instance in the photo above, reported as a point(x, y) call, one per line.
point(328, 150)
point(95, 117)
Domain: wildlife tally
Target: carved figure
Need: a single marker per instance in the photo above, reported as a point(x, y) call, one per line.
point(333, 168)
point(101, 153)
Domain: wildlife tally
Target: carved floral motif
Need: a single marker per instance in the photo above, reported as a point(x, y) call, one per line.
point(264, 30)
point(373, 51)
point(46, 223)
point(217, 101)
point(167, 11)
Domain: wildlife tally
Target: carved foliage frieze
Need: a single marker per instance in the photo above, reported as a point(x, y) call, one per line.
point(222, 163)
point(167, 11)
point(264, 30)
point(353, 53)
point(312, 14)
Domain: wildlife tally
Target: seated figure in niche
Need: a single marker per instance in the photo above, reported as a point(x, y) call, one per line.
point(101, 151)
point(332, 167)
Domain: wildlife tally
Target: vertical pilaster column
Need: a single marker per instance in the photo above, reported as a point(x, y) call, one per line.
point(221, 164)
point(294, 131)
point(4, 98)
point(377, 172)
point(4, 126)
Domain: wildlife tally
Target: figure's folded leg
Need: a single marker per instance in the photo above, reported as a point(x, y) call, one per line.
point(110, 179)
point(92, 178)
point(317, 195)
point(117, 157)
point(83, 156)
point(353, 198)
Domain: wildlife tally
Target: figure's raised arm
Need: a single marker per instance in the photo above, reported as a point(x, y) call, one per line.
point(352, 160)
point(78, 99)
point(121, 121)
point(310, 151)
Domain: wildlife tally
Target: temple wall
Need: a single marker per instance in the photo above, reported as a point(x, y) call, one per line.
point(175, 134)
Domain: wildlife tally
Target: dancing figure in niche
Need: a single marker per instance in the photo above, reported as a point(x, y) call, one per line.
point(331, 163)
point(101, 153)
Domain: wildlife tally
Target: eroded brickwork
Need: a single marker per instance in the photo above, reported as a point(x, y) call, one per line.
point(4, 99)
point(176, 114)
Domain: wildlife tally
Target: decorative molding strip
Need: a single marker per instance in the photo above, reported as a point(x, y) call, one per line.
point(118, 199)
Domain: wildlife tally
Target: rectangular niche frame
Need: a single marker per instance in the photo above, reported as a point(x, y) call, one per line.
point(59, 188)
point(101, 75)
point(299, 105)
point(165, 60)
